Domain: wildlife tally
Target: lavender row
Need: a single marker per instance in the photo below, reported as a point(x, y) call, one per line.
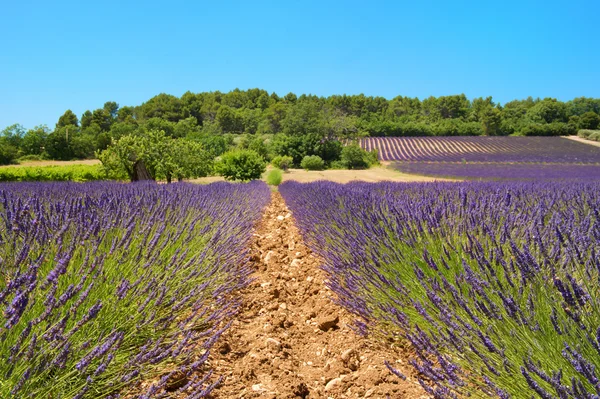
point(495, 285)
point(114, 290)
point(500, 171)
point(482, 149)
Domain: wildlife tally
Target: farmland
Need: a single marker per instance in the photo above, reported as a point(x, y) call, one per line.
point(106, 286)
point(500, 171)
point(482, 149)
point(493, 284)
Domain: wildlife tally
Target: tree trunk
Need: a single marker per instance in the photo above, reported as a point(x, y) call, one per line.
point(140, 172)
point(169, 178)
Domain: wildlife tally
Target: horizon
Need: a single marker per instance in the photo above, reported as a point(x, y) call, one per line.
point(78, 56)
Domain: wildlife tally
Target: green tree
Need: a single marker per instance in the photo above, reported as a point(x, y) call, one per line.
point(86, 119)
point(241, 165)
point(151, 155)
point(8, 152)
point(491, 120)
point(163, 106)
point(34, 141)
point(229, 121)
point(12, 135)
point(66, 119)
point(589, 120)
point(548, 110)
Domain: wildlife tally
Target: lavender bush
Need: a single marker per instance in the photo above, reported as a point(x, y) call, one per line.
point(105, 285)
point(498, 171)
point(482, 149)
point(495, 285)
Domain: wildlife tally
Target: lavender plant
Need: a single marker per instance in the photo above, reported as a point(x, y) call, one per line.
point(501, 171)
point(106, 285)
point(482, 149)
point(495, 285)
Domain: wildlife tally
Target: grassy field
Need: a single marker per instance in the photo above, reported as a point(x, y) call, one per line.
point(52, 163)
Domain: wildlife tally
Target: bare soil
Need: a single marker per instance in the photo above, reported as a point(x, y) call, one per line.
point(375, 174)
point(291, 340)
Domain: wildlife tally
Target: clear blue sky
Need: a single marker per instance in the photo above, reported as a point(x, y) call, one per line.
point(79, 54)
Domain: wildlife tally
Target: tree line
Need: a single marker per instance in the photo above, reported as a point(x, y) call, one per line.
point(295, 126)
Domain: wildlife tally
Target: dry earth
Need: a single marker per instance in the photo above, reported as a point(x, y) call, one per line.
point(375, 174)
point(291, 340)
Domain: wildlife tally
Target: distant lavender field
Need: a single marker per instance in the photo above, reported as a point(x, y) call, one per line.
point(497, 171)
point(482, 149)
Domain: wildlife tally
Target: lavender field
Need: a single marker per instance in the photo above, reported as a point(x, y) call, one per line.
point(482, 149)
point(494, 285)
point(500, 171)
point(105, 285)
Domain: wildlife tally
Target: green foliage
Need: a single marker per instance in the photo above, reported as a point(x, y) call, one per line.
point(162, 157)
point(593, 135)
point(241, 165)
point(312, 162)
point(30, 157)
point(78, 173)
point(549, 129)
point(13, 135)
point(34, 141)
point(8, 153)
point(302, 125)
point(282, 162)
point(274, 177)
point(66, 119)
point(589, 121)
point(354, 157)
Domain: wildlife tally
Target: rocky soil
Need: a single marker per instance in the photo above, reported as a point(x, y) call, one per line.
point(291, 340)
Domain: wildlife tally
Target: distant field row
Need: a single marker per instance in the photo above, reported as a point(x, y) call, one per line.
point(482, 149)
point(500, 171)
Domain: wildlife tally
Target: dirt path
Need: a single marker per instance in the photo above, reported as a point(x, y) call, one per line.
point(291, 341)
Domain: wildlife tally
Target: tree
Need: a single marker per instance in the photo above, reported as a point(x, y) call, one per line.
point(12, 135)
point(86, 119)
point(241, 165)
point(112, 109)
point(151, 155)
point(491, 119)
point(34, 141)
point(229, 120)
point(589, 120)
point(8, 152)
point(163, 106)
point(68, 118)
point(548, 110)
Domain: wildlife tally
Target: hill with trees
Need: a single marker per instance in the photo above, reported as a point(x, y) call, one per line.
point(295, 126)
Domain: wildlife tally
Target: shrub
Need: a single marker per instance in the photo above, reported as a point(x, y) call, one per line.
point(78, 173)
point(589, 134)
point(312, 162)
point(274, 177)
point(548, 129)
point(282, 162)
point(242, 165)
point(354, 157)
point(337, 165)
point(31, 157)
